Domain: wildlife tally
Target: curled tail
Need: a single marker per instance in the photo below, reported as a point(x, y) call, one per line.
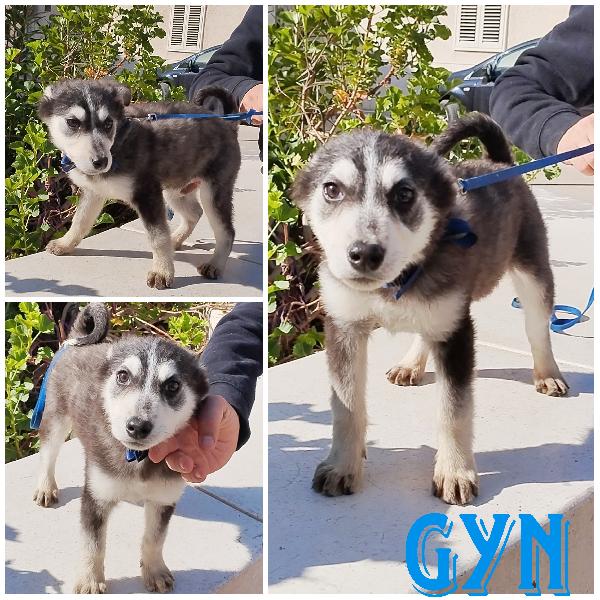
point(91, 325)
point(216, 99)
point(480, 126)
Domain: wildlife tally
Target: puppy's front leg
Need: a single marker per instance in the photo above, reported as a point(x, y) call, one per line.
point(455, 478)
point(86, 213)
point(94, 515)
point(341, 473)
point(151, 208)
point(156, 575)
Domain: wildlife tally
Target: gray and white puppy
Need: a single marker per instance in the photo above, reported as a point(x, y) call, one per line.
point(133, 393)
point(379, 205)
point(192, 164)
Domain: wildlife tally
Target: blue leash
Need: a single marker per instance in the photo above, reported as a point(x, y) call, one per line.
point(38, 411)
point(473, 183)
point(557, 324)
point(244, 116)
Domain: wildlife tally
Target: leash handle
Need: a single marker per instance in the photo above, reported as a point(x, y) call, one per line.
point(473, 183)
point(558, 325)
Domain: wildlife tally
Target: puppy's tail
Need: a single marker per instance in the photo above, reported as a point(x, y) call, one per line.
point(480, 126)
point(91, 325)
point(216, 99)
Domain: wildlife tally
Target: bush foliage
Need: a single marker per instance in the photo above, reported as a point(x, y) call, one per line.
point(35, 331)
point(91, 41)
point(325, 63)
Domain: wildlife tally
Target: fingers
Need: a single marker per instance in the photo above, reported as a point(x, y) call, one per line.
point(180, 462)
point(161, 451)
point(210, 417)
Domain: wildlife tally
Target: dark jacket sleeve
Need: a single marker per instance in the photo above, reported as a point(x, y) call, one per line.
point(233, 359)
point(551, 86)
point(237, 66)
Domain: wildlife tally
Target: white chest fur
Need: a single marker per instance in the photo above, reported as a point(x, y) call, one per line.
point(113, 187)
point(435, 319)
point(160, 491)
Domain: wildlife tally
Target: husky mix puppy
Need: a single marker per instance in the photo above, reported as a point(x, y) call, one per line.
point(380, 205)
point(192, 164)
point(130, 394)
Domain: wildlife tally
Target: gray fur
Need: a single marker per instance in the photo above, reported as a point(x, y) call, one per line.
point(83, 391)
point(367, 189)
point(144, 161)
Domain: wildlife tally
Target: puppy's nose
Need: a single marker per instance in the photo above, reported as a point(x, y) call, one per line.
point(365, 257)
point(100, 162)
point(138, 428)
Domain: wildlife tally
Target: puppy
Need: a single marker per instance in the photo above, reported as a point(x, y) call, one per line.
point(113, 153)
point(130, 394)
point(380, 206)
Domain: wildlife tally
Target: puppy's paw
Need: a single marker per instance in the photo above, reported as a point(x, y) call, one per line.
point(209, 271)
point(90, 584)
point(159, 279)
point(406, 375)
point(553, 385)
point(58, 247)
point(330, 479)
point(157, 578)
point(455, 485)
point(46, 493)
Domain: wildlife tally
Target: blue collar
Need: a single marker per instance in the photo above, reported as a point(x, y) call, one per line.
point(457, 232)
point(131, 455)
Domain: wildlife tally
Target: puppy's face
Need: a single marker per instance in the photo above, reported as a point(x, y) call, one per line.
point(374, 202)
point(151, 391)
point(82, 118)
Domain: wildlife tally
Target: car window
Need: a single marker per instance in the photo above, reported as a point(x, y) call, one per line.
point(203, 58)
point(509, 59)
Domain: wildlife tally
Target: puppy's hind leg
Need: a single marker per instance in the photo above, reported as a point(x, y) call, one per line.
point(187, 208)
point(455, 478)
point(53, 432)
point(94, 517)
point(341, 473)
point(217, 202)
point(536, 294)
point(88, 210)
point(156, 575)
point(412, 366)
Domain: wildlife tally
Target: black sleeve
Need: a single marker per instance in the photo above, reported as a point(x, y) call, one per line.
point(551, 86)
point(237, 66)
point(233, 359)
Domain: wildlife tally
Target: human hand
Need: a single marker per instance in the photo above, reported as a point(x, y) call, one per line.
point(253, 99)
point(580, 134)
point(204, 445)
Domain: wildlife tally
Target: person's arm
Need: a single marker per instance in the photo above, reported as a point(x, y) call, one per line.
point(233, 360)
point(237, 65)
point(550, 88)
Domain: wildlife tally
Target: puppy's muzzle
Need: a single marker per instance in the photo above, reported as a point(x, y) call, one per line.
point(365, 257)
point(100, 162)
point(137, 428)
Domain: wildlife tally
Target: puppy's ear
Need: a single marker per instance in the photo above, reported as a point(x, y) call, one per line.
point(301, 187)
point(46, 101)
point(121, 92)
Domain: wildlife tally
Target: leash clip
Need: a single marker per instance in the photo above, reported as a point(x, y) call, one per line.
point(151, 117)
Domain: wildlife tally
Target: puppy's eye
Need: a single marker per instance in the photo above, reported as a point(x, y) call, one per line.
point(122, 377)
point(332, 192)
point(172, 386)
point(108, 124)
point(73, 123)
point(402, 193)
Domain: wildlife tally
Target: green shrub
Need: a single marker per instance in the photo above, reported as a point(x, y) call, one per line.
point(90, 41)
point(34, 333)
point(324, 62)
